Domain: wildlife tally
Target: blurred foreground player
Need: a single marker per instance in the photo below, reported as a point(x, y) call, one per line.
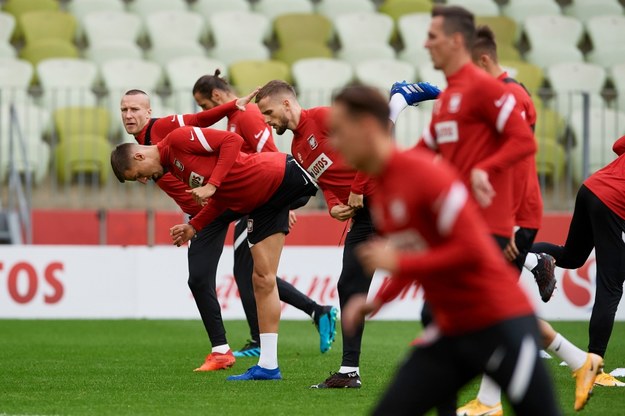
point(225, 180)
point(435, 235)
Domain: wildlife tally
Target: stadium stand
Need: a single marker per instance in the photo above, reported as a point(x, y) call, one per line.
point(7, 26)
point(84, 154)
point(410, 126)
point(165, 52)
point(79, 121)
point(174, 25)
point(531, 76)
point(318, 78)
point(67, 82)
point(182, 74)
point(81, 8)
point(415, 56)
point(40, 25)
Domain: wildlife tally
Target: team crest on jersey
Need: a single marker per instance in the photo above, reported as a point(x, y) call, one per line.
point(250, 225)
point(398, 211)
point(454, 103)
point(233, 128)
point(312, 141)
point(195, 180)
point(179, 165)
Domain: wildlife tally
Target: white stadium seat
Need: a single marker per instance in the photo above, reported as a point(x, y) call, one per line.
point(318, 78)
point(232, 27)
point(174, 25)
point(7, 25)
point(382, 73)
point(520, 10)
point(81, 8)
point(413, 29)
point(558, 30)
point(244, 51)
point(585, 10)
point(183, 73)
point(145, 7)
point(606, 34)
point(209, 7)
point(363, 28)
point(358, 53)
point(617, 74)
point(67, 82)
point(107, 26)
point(275, 8)
point(162, 53)
point(15, 77)
point(428, 73)
point(417, 56)
point(546, 54)
point(478, 7)
point(102, 52)
point(569, 80)
point(334, 8)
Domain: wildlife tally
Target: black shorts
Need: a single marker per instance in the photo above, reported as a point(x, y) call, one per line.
point(273, 216)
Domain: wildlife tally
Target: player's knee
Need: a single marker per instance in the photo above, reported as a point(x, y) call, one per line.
point(263, 282)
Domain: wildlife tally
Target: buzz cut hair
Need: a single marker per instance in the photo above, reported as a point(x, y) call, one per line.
point(136, 92)
point(484, 43)
point(360, 100)
point(273, 88)
point(457, 19)
point(121, 160)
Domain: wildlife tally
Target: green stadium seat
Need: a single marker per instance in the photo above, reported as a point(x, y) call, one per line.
point(48, 25)
point(18, 7)
point(296, 28)
point(549, 123)
point(505, 29)
point(398, 8)
point(87, 154)
point(247, 75)
point(35, 52)
point(78, 121)
point(508, 52)
point(528, 74)
point(550, 158)
point(301, 50)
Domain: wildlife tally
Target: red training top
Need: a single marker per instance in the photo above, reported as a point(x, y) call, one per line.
point(244, 182)
point(444, 244)
point(313, 150)
point(475, 124)
point(608, 183)
point(250, 124)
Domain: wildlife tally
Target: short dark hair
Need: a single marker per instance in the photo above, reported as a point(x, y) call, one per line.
point(484, 43)
point(457, 19)
point(136, 92)
point(121, 160)
point(275, 87)
point(207, 83)
point(362, 100)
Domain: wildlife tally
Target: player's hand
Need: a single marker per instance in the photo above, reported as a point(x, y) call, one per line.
point(511, 251)
point(181, 233)
point(355, 201)
point(482, 189)
point(201, 194)
point(353, 315)
point(292, 219)
point(243, 101)
point(378, 254)
point(342, 212)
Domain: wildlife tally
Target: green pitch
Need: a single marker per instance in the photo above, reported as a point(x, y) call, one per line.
point(145, 368)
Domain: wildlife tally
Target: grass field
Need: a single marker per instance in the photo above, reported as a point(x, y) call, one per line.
point(145, 368)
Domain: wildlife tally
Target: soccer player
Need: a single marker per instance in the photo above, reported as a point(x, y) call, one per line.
point(346, 192)
point(528, 209)
point(223, 179)
point(434, 234)
point(599, 222)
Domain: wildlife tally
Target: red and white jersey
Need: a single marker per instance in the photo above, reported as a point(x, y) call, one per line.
point(444, 244)
point(312, 149)
point(250, 125)
point(528, 200)
point(197, 156)
point(476, 124)
point(608, 183)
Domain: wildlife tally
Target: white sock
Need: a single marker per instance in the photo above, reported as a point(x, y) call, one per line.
point(268, 351)
point(345, 370)
point(222, 349)
point(569, 353)
point(396, 105)
point(531, 261)
point(490, 392)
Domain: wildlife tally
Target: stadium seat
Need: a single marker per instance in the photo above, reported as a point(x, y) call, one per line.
point(236, 52)
point(163, 53)
point(617, 74)
point(569, 80)
point(434, 76)
point(520, 10)
point(15, 77)
point(209, 7)
point(557, 30)
point(382, 73)
point(67, 82)
point(33, 157)
point(550, 158)
point(363, 29)
point(7, 26)
point(584, 10)
point(398, 8)
point(81, 8)
point(36, 52)
point(301, 50)
point(607, 58)
point(606, 33)
point(530, 75)
point(76, 121)
point(296, 28)
point(413, 29)
point(103, 52)
point(508, 52)
point(107, 26)
point(183, 73)
point(123, 74)
point(7, 51)
point(174, 25)
point(48, 25)
point(318, 78)
point(477, 7)
point(546, 54)
point(549, 124)
point(410, 126)
point(505, 29)
point(233, 27)
point(18, 7)
point(358, 53)
point(415, 56)
point(333, 8)
point(274, 8)
point(145, 7)
point(247, 75)
point(86, 154)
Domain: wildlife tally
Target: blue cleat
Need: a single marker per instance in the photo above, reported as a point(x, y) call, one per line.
point(257, 373)
point(414, 93)
point(251, 349)
point(325, 321)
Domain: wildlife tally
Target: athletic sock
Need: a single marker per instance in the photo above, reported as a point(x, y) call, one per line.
point(490, 392)
point(345, 370)
point(268, 351)
point(396, 105)
point(567, 352)
point(221, 349)
point(531, 261)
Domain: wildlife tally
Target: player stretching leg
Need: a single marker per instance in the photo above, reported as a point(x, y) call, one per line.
point(599, 222)
point(209, 92)
point(435, 235)
point(262, 185)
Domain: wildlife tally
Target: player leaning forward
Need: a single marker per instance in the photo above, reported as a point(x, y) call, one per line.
point(263, 185)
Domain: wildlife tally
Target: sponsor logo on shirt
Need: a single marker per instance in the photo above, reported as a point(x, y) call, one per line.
point(446, 132)
point(250, 225)
point(179, 165)
point(260, 133)
point(192, 136)
point(312, 141)
point(195, 180)
point(454, 103)
point(319, 165)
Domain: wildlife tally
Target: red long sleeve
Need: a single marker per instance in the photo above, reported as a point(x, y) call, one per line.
point(331, 199)
point(229, 149)
point(208, 214)
point(619, 146)
point(207, 118)
point(359, 184)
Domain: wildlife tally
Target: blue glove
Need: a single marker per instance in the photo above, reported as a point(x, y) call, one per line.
point(415, 93)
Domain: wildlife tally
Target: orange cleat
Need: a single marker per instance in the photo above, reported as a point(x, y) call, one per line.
point(217, 361)
point(585, 378)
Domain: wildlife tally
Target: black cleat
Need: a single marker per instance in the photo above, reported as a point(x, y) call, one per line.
point(250, 349)
point(340, 381)
point(544, 276)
